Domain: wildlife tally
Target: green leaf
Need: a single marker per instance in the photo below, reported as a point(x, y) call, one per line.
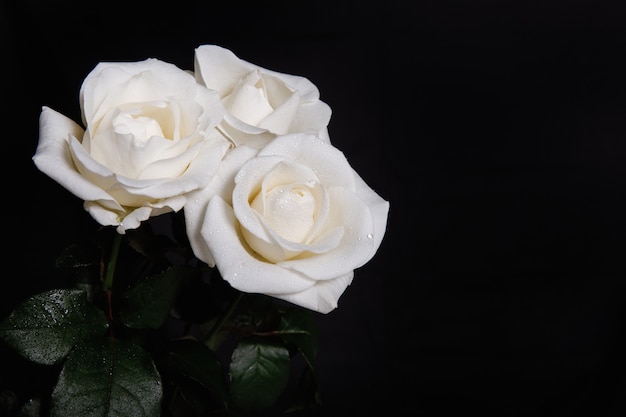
point(84, 261)
point(155, 247)
point(259, 372)
point(147, 304)
point(298, 327)
point(106, 378)
point(185, 397)
point(46, 326)
point(79, 255)
point(193, 360)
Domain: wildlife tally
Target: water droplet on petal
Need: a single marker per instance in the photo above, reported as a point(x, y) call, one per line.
point(369, 235)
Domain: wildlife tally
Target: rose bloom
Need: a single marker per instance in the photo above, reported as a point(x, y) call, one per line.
point(150, 138)
point(260, 103)
point(292, 221)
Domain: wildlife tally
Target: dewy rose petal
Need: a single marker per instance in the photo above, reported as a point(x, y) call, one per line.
point(149, 139)
point(260, 103)
point(294, 223)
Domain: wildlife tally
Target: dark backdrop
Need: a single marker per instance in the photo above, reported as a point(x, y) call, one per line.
point(509, 208)
point(496, 130)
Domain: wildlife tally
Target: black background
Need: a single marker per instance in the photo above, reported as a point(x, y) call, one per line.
point(497, 131)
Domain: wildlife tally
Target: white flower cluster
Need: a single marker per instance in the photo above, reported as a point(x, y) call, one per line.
point(243, 150)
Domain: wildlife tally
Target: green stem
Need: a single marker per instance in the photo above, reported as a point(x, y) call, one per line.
point(211, 337)
point(110, 271)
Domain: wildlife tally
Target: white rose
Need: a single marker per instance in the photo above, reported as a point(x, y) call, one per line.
point(293, 221)
point(150, 138)
point(260, 103)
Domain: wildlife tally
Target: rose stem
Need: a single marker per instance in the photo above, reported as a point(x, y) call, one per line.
point(110, 270)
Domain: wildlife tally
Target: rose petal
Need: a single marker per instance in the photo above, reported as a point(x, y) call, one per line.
point(247, 102)
point(288, 110)
point(218, 68)
point(329, 163)
point(379, 209)
point(221, 185)
point(357, 243)
point(113, 84)
point(53, 156)
point(236, 263)
point(322, 297)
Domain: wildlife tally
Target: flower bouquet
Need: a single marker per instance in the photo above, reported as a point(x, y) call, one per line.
point(224, 220)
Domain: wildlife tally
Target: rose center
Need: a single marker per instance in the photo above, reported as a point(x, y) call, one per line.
point(141, 122)
point(249, 101)
point(289, 210)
